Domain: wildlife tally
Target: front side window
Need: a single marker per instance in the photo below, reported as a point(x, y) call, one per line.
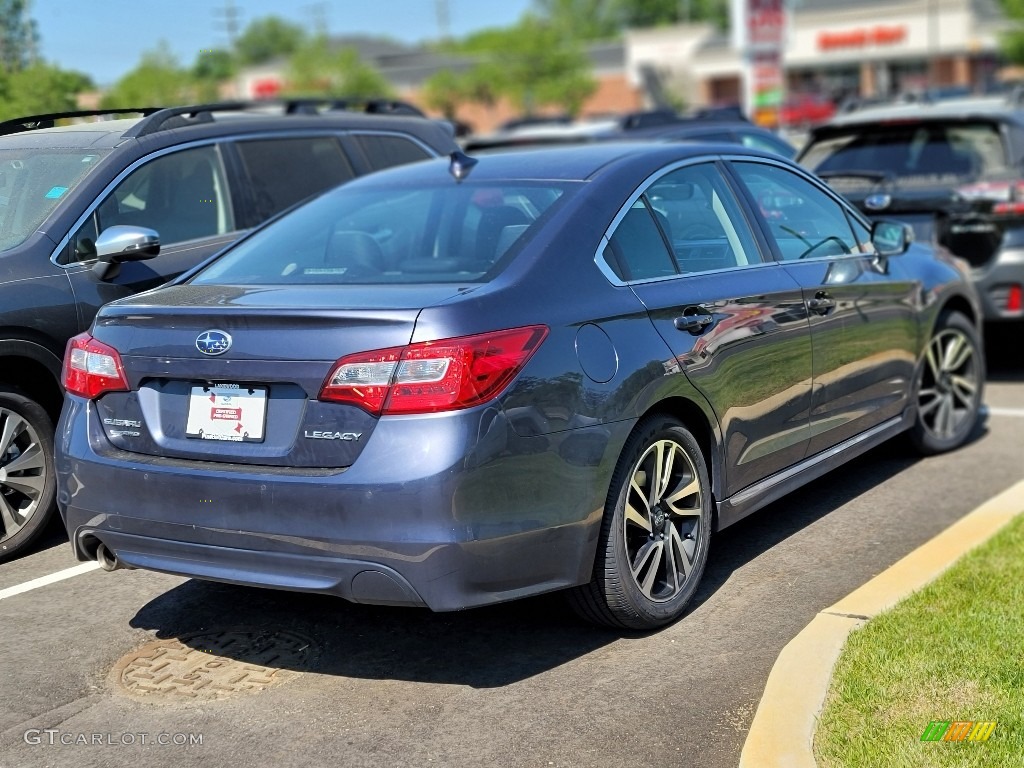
point(182, 195)
point(803, 221)
point(32, 183)
point(374, 234)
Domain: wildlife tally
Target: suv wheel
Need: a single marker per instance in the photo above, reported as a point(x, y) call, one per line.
point(27, 485)
point(950, 386)
point(656, 530)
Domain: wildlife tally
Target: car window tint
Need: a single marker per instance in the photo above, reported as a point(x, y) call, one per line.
point(702, 220)
point(803, 221)
point(182, 195)
point(285, 171)
point(377, 235)
point(637, 249)
point(385, 151)
point(916, 153)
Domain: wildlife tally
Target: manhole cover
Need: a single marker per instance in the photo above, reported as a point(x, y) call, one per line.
point(214, 665)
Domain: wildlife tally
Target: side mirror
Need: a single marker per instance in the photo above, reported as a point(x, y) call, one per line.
point(121, 243)
point(891, 238)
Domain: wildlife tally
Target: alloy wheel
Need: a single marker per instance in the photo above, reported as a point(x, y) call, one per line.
point(662, 520)
point(949, 386)
point(22, 473)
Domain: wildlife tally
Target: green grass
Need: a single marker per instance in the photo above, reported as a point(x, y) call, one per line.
point(953, 651)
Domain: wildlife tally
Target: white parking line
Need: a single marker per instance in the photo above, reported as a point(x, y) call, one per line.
point(42, 581)
point(1018, 412)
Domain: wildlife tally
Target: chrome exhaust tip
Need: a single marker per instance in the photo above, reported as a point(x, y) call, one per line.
point(108, 560)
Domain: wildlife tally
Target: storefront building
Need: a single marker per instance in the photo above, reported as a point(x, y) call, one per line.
point(837, 49)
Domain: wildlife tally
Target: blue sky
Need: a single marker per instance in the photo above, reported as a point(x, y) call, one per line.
point(105, 38)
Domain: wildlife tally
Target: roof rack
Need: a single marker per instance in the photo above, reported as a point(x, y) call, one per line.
point(178, 117)
point(35, 122)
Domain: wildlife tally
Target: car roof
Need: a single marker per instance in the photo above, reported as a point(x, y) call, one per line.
point(576, 162)
point(209, 120)
point(994, 107)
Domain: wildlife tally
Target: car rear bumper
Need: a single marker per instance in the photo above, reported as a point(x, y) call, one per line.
point(995, 282)
point(479, 515)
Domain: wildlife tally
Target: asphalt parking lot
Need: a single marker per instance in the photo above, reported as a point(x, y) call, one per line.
point(105, 669)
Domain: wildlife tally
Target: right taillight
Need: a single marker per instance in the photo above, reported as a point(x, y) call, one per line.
point(433, 376)
point(92, 368)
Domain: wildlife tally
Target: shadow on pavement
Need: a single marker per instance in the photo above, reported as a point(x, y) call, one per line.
point(483, 647)
point(1004, 353)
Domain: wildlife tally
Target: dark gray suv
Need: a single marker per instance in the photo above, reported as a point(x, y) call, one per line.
point(952, 169)
point(85, 207)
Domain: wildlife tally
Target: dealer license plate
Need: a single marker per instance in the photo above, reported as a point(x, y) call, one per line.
point(232, 412)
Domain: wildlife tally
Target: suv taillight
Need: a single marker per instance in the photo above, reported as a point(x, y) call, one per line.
point(1007, 196)
point(92, 368)
point(433, 376)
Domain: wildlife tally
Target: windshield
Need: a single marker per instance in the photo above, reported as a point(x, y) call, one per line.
point(367, 235)
point(926, 154)
point(32, 183)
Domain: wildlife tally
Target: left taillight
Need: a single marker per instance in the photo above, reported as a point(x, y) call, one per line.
point(92, 368)
point(433, 376)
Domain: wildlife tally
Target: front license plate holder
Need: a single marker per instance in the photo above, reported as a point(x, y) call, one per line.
point(235, 413)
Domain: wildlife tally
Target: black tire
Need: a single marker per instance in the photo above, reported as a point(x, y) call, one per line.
point(27, 477)
point(654, 538)
point(949, 386)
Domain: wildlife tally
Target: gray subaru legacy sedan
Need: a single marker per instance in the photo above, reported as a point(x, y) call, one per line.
point(466, 381)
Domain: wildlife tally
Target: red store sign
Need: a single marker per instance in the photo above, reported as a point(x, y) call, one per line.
point(862, 37)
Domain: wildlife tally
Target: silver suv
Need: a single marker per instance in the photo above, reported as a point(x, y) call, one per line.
point(952, 169)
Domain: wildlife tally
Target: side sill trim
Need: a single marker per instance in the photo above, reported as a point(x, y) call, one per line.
point(764, 492)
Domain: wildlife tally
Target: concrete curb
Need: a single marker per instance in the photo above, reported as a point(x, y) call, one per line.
point(782, 732)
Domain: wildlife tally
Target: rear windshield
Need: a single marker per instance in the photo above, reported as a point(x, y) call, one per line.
point(32, 183)
point(916, 153)
point(370, 235)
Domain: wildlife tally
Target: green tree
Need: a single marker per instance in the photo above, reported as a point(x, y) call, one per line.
point(158, 80)
point(598, 19)
point(212, 67)
point(19, 36)
point(444, 91)
point(268, 38)
point(1011, 41)
point(39, 89)
point(318, 69)
point(533, 64)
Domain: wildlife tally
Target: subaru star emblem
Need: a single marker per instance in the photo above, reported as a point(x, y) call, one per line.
point(213, 342)
point(877, 202)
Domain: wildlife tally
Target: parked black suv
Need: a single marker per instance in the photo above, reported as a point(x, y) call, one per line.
point(82, 206)
point(952, 169)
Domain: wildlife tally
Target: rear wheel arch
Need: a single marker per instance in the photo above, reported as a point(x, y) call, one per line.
point(704, 430)
point(34, 370)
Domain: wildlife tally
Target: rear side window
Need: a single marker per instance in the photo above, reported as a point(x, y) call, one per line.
point(686, 221)
point(384, 151)
point(283, 172)
point(397, 234)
